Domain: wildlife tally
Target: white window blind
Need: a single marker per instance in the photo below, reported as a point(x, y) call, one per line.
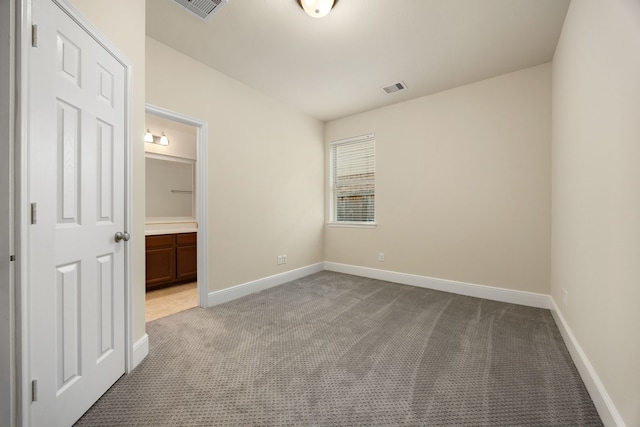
point(353, 180)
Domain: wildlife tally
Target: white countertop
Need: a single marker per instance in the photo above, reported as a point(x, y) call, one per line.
point(170, 227)
point(169, 231)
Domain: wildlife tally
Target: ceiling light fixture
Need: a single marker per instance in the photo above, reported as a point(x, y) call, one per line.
point(317, 8)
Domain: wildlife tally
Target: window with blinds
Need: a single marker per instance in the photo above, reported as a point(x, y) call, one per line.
point(353, 180)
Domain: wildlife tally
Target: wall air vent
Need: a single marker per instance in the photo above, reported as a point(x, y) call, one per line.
point(202, 8)
point(395, 87)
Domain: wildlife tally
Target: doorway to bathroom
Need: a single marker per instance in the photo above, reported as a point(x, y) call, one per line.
point(175, 213)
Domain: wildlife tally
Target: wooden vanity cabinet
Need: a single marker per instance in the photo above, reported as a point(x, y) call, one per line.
point(171, 259)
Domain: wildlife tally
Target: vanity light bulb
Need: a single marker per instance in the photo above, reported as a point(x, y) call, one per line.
point(148, 137)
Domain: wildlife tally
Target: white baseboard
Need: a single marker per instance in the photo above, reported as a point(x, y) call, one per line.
point(601, 399)
point(469, 289)
point(224, 295)
point(140, 351)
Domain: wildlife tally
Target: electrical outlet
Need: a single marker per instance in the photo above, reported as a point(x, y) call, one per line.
point(279, 259)
point(284, 259)
point(565, 297)
point(381, 257)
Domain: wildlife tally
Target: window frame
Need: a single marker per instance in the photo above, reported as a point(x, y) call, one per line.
point(333, 221)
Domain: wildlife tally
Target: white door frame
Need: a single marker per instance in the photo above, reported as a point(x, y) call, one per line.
point(201, 192)
point(22, 17)
point(7, 271)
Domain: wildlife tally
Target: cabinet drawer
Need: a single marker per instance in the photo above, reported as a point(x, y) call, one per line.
point(187, 239)
point(161, 241)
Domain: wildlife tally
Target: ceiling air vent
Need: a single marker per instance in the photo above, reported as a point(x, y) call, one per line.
point(395, 87)
point(202, 8)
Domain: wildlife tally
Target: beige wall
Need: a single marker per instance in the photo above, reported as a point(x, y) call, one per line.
point(596, 191)
point(265, 167)
point(462, 184)
point(127, 32)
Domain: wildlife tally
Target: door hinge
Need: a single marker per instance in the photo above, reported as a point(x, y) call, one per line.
point(34, 390)
point(12, 257)
point(34, 35)
point(34, 213)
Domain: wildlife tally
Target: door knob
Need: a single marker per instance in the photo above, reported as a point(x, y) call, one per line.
point(122, 236)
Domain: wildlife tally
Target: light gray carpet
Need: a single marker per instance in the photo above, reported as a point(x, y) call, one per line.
point(338, 350)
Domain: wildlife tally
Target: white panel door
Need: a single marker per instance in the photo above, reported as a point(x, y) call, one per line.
point(76, 173)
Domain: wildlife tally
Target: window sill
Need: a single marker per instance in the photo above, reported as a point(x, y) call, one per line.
point(353, 224)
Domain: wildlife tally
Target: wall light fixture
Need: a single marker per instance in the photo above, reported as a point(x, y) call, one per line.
point(155, 139)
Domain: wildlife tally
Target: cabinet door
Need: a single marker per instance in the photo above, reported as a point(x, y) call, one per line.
point(161, 266)
point(187, 262)
point(161, 260)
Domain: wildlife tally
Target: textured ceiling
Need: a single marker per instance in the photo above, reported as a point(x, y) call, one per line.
point(336, 66)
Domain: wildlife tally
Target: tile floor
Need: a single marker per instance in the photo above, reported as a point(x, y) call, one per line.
point(171, 300)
